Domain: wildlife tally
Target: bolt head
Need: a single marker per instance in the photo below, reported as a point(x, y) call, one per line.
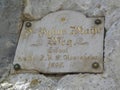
point(98, 21)
point(95, 65)
point(28, 24)
point(17, 67)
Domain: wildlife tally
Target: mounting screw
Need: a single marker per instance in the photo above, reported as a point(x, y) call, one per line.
point(17, 67)
point(98, 21)
point(28, 24)
point(95, 65)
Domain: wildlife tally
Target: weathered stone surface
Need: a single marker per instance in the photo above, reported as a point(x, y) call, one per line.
point(110, 79)
point(112, 52)
point(111, 18)
point(28, 82)
point(86, 82)
point(10, 11)
point(38, 8)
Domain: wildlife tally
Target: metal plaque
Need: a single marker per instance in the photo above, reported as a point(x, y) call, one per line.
point(62, 42)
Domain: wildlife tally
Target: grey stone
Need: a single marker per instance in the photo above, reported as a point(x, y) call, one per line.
point(10, 11)
point(111, 18)
point(109, 80)
point(86, 82)
point(28, 82)
point(38, 8)
point(112, 52)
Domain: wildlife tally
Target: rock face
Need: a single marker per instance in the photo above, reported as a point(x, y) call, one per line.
point(35, 10)
point(29, 82)
point(10, 11)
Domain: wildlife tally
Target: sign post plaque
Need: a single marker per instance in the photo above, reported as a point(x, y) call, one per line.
point(62, 42)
